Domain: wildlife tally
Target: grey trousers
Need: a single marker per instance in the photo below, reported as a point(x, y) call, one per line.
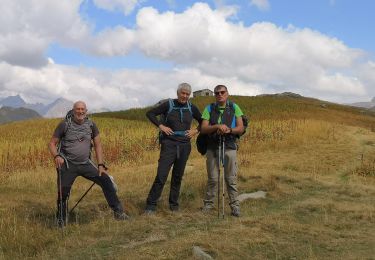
point(230, 174)
point(90, 172)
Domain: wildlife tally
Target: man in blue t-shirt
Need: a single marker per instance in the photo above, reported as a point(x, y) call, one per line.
point(222, 121)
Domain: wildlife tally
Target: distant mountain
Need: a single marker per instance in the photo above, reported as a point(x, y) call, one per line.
point(98, 110)
point(58, 108)
point(370, 104)
point(9, 114)
point(12, 101)
point(38, 107)
point(284, 94)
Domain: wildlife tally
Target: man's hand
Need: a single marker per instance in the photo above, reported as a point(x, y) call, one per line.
point(222, 129)
point(59, 161)
point(166, 130)
point(102, 170)
point(190, 133)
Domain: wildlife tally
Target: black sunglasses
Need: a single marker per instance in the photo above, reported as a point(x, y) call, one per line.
point(220, 92)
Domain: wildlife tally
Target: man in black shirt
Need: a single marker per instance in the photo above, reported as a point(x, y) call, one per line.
point(175, 148)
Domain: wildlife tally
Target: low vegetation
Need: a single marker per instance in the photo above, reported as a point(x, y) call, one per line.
point(316, 163)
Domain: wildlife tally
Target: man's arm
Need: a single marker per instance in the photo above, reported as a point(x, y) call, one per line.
point(156, 111)
point(238, 130)
point(197, 116)
point(152, 116)
point(99, 154)
point(206, 128)
point(52, 146)
point(53, 143)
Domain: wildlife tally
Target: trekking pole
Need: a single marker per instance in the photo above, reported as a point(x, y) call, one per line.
point(60, 221)
point(92, 185)
point(218, 180)
point(222, 163)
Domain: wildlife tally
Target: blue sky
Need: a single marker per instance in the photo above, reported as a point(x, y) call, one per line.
point(135, 52)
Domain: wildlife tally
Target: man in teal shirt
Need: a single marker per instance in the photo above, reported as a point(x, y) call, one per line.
point(222, 119)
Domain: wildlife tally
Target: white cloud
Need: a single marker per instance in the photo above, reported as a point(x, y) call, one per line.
point(278, 59)
point(261, 4)
point(112, 42)
point(107, 89)
point(125, 6)
point(27, 27)
point(206, 46)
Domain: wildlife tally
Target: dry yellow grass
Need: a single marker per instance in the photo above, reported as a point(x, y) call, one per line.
point(319, 205)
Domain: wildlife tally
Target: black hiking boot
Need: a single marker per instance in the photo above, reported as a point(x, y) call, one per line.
point(120, 216)
point(149, 212)
point(174, 208)
point(207, 208)
point(236, 212)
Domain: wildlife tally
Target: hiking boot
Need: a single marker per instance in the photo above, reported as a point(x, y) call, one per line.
point(207, 208)
point(174, 208)
point(149, 212)
point(236, 212)
point(60, 223)
point(121, 216)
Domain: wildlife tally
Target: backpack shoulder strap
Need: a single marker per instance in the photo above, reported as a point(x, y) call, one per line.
point(91, 127)
point(212, 110)
point(211, 107)
point(171, 107)
point(189, 107)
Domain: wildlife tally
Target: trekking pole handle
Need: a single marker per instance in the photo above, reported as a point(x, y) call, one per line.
point(102, 164)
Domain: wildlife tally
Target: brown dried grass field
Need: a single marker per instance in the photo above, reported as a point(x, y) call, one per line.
point(317, 165)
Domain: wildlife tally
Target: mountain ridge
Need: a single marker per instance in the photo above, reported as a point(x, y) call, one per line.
point(10, 114)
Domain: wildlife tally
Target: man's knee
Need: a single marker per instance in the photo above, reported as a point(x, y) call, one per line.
point(106, 183)
point(231, 180)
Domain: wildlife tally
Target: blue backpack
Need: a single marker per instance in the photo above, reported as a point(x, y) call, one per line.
point(172, 107)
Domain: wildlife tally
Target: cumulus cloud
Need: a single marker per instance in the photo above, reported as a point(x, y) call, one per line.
point(111, 42)
point(205, 45)
point(261, 4)
point(278, 59)
point(125, 6)
point(110, 89)
point(27, 27)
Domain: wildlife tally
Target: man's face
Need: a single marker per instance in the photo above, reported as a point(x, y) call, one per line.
point(221, 95)
point(79, 111)
point(183, 96)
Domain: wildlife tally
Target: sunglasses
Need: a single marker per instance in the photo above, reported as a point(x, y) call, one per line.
point(220, 92)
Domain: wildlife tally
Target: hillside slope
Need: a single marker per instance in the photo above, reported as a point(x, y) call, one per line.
point(9, 114)
point(315, 162)
point(271, 107)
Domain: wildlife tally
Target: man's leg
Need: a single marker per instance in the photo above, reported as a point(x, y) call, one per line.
point(90, 172)
point(183, 152)
point(230, 169)
point(167, 158)
point(212, 165)
point(67, 177)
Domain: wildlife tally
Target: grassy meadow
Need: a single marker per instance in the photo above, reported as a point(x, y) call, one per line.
point(315, 160)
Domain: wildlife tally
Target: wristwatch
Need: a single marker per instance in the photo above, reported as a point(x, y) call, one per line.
point(102, 164)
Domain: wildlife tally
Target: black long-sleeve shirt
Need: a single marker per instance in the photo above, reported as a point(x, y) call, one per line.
point(174, 120)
